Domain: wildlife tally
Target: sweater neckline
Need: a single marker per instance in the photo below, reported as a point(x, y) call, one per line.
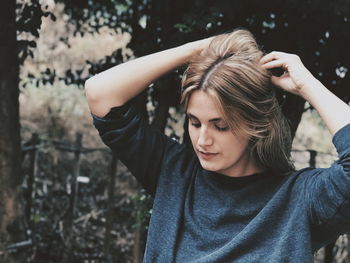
point(226, 180)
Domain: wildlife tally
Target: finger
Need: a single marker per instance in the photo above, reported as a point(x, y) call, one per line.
point(285, 84)
point(277, 81)
point(281, 82)
point(271, 56)
point(279, 63)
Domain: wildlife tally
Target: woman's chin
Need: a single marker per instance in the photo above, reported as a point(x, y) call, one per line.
point(208, 167)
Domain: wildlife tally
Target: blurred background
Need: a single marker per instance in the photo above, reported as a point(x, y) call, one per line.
point(64, 196)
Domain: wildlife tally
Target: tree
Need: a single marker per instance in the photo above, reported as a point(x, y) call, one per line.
point(12, 54)
point(10, 172)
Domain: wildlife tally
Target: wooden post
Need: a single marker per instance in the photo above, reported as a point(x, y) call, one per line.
point(312, 161)
point(74, 188)
point(348, 247)
point(137, 242)
point(32, 171)
point(111, 187)
point(76, 172)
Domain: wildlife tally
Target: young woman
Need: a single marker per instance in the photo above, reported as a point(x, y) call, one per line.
point(235, 197)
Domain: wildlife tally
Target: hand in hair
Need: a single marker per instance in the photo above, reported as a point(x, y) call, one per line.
point(295, 77)
point(298, 80)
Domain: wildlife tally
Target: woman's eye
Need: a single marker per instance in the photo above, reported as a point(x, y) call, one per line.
point(222, 128)
point(197, 125)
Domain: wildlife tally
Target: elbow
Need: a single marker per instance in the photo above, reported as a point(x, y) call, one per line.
point(100, 95)
point(90, 90)
point(346, 164)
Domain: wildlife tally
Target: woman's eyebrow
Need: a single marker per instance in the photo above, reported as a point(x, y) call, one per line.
point(191, 116)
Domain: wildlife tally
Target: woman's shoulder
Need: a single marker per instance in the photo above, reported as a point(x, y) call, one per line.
point(301, 178)
point(306, 173)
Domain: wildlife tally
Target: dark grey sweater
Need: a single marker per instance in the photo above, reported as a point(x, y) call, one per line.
point(202, 216)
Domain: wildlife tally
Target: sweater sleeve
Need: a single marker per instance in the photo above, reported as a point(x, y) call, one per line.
point(329, 190)
point(135, 143)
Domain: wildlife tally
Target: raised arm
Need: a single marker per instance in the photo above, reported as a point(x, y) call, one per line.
point(327, 194)
point(298, 80)
point(117, 85)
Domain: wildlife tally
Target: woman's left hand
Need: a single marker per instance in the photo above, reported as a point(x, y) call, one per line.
point(296, 76)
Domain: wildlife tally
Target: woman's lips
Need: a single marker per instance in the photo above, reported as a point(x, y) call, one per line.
point(207, 156)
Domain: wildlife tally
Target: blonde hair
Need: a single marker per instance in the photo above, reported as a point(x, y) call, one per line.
point(229, 70)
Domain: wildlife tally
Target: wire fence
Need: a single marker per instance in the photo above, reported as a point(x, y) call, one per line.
point(65, 219)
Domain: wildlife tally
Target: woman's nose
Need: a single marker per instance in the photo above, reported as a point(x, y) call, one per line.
point(205, 138)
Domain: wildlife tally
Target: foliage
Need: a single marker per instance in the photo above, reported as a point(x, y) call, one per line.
point(142, 202)
point(52, 239)
point(28, 22)
point(293, 26)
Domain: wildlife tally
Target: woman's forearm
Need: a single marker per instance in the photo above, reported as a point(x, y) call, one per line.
point(334, 112)
point(117, 85)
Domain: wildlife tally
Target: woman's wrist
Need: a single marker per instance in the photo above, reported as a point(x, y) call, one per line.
point(310, 88)
point(195, 47)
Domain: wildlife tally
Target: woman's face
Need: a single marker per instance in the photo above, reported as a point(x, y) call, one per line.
point(216, 146)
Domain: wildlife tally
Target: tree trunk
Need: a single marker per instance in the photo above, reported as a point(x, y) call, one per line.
point(10, 148)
